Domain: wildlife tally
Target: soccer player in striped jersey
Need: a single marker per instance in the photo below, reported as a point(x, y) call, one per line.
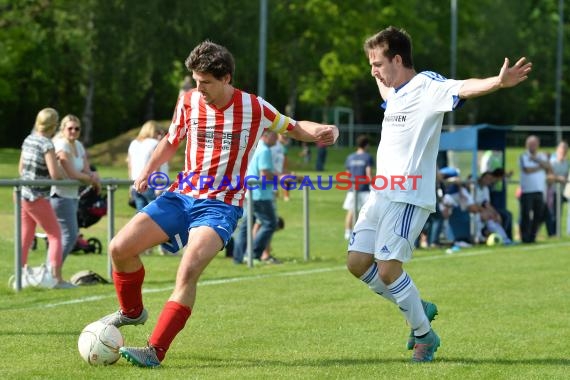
point(221, 126)
point(391, 220)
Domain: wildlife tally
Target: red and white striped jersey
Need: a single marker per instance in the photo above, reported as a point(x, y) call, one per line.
point(220, 143)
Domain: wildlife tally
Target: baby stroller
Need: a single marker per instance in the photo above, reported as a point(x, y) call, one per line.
point(91, 208)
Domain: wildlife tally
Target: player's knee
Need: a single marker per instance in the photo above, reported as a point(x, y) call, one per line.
point(389, 273)
point(114, 249)
point(352, 269)
point(118, 249)
point(188, 276)
point(385, 277)
point(357, 264)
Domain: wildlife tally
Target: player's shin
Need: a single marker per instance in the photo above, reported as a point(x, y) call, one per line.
point(408, 299)
point(129, 291)
point(171, 321)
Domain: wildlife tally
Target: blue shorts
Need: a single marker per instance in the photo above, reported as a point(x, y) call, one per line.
point(176, 214)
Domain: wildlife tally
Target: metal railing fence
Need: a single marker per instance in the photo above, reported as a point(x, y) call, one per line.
point(111, 185)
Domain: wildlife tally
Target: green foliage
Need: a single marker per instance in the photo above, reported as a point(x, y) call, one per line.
point(120, 62)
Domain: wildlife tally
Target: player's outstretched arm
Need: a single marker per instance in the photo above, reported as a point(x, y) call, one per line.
point(509, 76)
point(314, 132)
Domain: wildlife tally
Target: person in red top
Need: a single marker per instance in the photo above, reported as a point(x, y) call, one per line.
point(221, 126)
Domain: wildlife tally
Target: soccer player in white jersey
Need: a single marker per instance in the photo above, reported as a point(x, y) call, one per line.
point(391, 220)
point(222, 126)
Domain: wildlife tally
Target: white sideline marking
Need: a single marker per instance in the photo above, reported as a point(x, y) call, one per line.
point(463, 253)
point(169, 288)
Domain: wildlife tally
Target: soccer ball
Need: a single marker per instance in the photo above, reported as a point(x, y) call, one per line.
point(494, 239)
point(99, 343)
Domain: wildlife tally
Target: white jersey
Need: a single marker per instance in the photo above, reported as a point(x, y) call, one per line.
point(410, 136)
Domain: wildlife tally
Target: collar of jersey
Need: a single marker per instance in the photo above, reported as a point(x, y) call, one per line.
point(401, 86)
point(385, 103)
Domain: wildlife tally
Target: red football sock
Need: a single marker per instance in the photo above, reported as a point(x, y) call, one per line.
point(129, 291)
point(170, 322)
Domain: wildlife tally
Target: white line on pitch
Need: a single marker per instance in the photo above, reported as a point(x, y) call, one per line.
point(462, 253)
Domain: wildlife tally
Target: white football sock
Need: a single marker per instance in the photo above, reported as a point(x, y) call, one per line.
point(408, 299)
point(375, 284)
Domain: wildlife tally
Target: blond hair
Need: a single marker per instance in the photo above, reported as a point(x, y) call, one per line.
point(46, 120)
point(66, 119)
point(148, 130)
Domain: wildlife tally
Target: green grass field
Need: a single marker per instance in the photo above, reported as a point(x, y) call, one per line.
point(503, 311)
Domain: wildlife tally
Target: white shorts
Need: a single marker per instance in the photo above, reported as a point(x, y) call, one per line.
point(388, 230)
point(348, 204)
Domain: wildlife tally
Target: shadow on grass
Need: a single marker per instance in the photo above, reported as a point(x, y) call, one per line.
point(499, 361)
point(209, 362)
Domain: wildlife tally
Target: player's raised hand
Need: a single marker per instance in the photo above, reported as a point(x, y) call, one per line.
point(511, 76)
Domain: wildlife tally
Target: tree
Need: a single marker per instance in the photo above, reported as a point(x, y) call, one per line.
point(117, 63)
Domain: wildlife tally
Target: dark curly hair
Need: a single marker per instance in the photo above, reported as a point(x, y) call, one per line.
point(211, 58)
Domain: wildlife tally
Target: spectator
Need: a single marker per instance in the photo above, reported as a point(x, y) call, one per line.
point(266, 256)
point(459, 205)
point(280, 162)
point(435, 223)
point(38, 161)
point(556, 180)
point(321, 157)
point(534, 167)
point(74, 164)
point(139, 154)
point(488, 220)
point(490, 161)
point(566, 195)
point(506, 215)
point(261, 167)
point(160, 133)
point(305, 153)
point(358, 164)
point(279, 157)
point(185, 86)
